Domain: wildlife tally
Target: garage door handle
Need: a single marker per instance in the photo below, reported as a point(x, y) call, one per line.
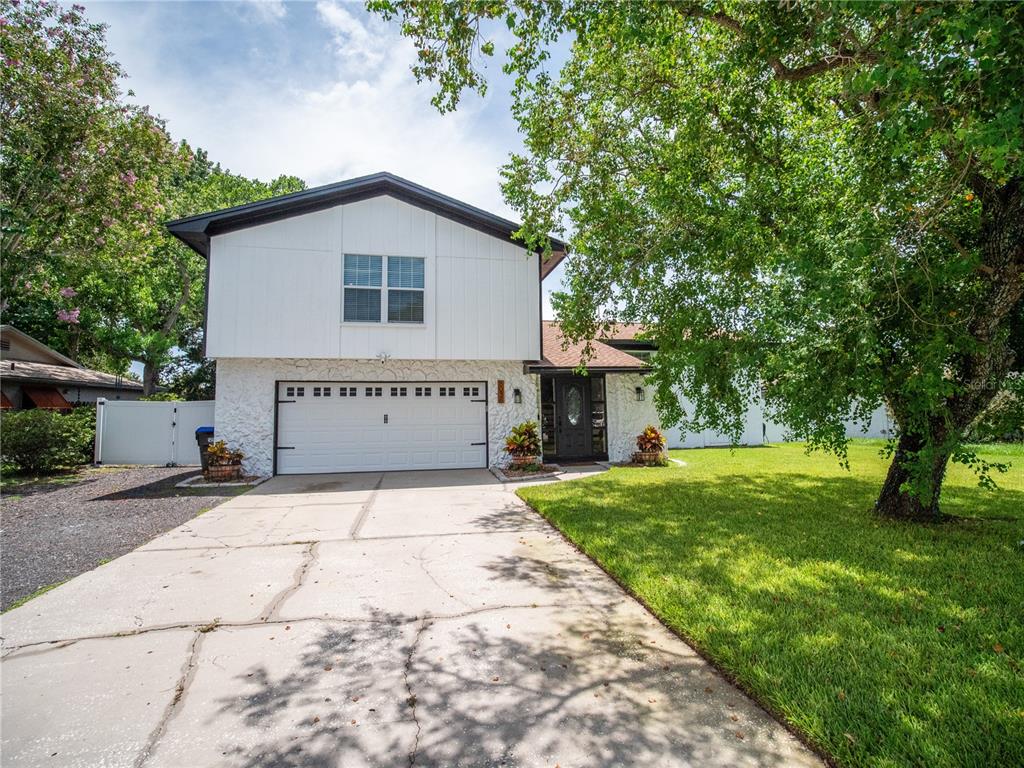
point(478, 401)
point(385, 418)
point(478, 443)
point(286, 447)
point(285, 401)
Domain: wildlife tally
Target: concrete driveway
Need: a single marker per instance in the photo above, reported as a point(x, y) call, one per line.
point(398, 619)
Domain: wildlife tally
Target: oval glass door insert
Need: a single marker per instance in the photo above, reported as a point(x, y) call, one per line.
point(573, 405)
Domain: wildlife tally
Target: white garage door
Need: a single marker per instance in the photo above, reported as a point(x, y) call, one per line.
point(331, 426)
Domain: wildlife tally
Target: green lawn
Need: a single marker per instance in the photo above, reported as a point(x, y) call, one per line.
point(885, 644)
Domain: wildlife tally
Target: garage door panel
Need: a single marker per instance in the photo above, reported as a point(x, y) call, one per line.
point(321, 430)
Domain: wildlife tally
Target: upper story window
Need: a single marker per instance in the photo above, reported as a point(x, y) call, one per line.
point(367, 299)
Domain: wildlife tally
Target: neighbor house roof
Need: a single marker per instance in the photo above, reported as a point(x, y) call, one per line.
point(195, 231)
point(623, 331)
point(11, 332)
point(63, 375)
point(557, 355)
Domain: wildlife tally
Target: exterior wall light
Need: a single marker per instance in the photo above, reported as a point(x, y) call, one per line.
point(639, 394)
point(517, 396)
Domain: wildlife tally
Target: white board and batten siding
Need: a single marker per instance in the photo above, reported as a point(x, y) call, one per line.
point(142, 432)
point(276, 288)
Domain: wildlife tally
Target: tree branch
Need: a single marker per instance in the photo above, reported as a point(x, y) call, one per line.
point(843, 57)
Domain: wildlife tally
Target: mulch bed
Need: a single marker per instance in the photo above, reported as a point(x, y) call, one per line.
point(518, 474)
point(54, 529)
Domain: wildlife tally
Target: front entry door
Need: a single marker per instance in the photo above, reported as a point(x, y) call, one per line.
point(572, 397)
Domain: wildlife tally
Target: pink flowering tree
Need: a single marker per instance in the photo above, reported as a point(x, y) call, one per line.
point(86, 182)
point(75, 155)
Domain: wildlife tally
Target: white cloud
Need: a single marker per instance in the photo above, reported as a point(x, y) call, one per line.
point(363, 113)
point(265, 10)
point(359, 45)
point(372, 116)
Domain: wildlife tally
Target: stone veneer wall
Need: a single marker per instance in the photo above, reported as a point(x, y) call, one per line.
point(244, 414)
point(627, 417)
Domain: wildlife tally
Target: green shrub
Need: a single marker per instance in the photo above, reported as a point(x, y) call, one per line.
point(45, 441)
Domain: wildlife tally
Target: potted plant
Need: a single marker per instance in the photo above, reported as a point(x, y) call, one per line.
point(225, 464)
point(523, 444)
point(650, 447)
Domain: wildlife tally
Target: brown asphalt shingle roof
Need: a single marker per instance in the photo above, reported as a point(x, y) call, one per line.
point(603, 356)
point(623, 331)
point(24, 370)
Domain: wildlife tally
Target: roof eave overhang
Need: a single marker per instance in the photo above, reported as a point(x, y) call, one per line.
point(550, 369)
point(196, 231)
point(14, 378)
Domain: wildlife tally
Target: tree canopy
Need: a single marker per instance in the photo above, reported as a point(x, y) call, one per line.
point(815, 203)
point(87, 179)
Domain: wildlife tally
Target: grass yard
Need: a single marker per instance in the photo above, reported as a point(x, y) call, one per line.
point(885, 644)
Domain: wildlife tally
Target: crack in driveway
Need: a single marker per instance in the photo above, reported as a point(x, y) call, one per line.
point(411, 699)
point(34, 648)
point(188, 673)
point(274, 606)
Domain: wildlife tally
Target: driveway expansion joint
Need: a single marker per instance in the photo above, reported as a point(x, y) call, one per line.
point(364, 511)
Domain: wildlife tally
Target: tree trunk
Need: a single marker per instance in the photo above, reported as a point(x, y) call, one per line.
point(150, 372)
point(900, 503)
point(979, 374)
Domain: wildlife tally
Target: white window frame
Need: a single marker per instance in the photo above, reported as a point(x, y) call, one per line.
point(384, 290)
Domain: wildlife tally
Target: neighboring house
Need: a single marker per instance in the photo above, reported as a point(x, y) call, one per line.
point(375, 324)
point(34, 376)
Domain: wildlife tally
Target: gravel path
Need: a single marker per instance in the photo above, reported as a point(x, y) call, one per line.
point(52, 531)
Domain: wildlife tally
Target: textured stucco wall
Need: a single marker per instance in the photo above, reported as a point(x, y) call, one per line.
point(245, 395)
point(627, 417)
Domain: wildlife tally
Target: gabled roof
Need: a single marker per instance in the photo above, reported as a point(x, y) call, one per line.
point(195, 231)
point(603, 357)
point(57, 357)
point(63, 371)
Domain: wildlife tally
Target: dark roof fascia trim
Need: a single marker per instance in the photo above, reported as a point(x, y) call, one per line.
point(195, 231)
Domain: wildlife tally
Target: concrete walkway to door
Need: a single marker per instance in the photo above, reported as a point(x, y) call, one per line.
point(400, 619)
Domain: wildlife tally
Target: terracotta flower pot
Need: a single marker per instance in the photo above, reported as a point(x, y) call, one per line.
point(221, 473)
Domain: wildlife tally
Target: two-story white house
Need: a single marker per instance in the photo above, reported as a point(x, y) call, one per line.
point(374, 324)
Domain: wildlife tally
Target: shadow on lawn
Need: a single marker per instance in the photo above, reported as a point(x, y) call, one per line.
point(848, 623)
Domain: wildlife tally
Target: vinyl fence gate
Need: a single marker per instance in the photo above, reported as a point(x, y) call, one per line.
point(164, 433)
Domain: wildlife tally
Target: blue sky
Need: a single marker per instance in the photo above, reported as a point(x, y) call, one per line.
point(321, 90)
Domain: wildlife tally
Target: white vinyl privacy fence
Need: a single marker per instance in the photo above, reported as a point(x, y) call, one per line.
point(149, 432)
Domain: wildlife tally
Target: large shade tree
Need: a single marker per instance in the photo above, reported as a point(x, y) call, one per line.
point(87, 179)
point(818, 203)
point(75, 157)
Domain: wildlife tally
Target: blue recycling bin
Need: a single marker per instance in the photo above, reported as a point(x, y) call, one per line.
point(204, 436)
